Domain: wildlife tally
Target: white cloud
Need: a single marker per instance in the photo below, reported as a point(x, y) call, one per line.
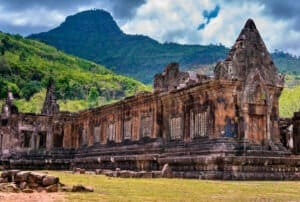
point(177, 21)
point(32, 17)
point(166, 20)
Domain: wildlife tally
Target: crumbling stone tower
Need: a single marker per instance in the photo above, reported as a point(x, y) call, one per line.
point(257, 96)
point(8, 107)
point(50, 105)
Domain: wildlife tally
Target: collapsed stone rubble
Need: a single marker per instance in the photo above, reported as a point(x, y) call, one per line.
point(28, 182)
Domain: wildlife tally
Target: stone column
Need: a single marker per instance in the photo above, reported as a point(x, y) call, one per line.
point(49, 138)
point(37, 143)
point(33, 140)
point(269, 112)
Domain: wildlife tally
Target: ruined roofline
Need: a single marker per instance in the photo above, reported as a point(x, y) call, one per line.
point(143, 96)
point(61, 113)
point(248, 56)
point(173, 79)
point(207, 84)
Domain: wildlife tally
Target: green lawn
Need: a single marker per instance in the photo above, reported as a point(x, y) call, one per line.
point(120, 189)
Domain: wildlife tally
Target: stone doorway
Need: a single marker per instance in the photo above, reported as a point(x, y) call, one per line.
point(42, 140)
point(58, 140)
point(27, 136)
point(257, 129)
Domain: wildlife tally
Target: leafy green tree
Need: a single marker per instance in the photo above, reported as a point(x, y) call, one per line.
point(30, 88)
point(22, 56)
point(4, 66)
point(93, 97)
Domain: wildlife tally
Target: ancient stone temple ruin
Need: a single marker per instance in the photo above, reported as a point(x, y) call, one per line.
point(221, 127)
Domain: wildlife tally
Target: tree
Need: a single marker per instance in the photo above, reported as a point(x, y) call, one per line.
point(93, 97)
point(30, 88)
point(4, 66)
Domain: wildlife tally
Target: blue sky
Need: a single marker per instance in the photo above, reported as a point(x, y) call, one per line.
point(182, 21)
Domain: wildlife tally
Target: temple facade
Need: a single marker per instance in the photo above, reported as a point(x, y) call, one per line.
point(221, 127)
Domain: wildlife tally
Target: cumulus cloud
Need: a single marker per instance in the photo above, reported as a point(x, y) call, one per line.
point(181, 21)
point(125, 9)
point(169, 20)
point(219, 21)
point(284, 10)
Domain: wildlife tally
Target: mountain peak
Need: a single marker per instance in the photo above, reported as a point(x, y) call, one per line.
point(91, 24)
point(97, 20)
point(96, 15)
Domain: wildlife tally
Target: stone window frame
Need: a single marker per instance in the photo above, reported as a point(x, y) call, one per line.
point(180, 135)
point(97, 136)
point(82, 135)
point(58, 140)
point(42, 138)
point(4, 122)
point(27, 137)
point(125, 135)
point(142, 131)
point(111, 136)
point(199, 125)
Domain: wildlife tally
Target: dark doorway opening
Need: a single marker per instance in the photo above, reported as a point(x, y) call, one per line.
point(27, 138)
point(42, 140)
point(58, 140)
point(4, 122)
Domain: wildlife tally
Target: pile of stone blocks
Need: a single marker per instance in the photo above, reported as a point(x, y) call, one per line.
point(28, 182)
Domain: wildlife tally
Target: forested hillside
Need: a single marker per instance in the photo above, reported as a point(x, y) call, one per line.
point(26, 66)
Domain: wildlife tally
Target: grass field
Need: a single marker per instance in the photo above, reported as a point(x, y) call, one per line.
point(120, 189)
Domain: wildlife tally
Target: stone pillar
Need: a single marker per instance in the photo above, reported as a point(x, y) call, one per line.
point(33, 140)
point(37, 143)
point(270, 125)
point(49, 138)
point(68, 139)
point(268, 122)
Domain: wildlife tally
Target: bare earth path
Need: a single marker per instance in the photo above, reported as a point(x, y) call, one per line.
point(33, 197)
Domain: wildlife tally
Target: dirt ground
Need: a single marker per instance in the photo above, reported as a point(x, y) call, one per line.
point(33, 197)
